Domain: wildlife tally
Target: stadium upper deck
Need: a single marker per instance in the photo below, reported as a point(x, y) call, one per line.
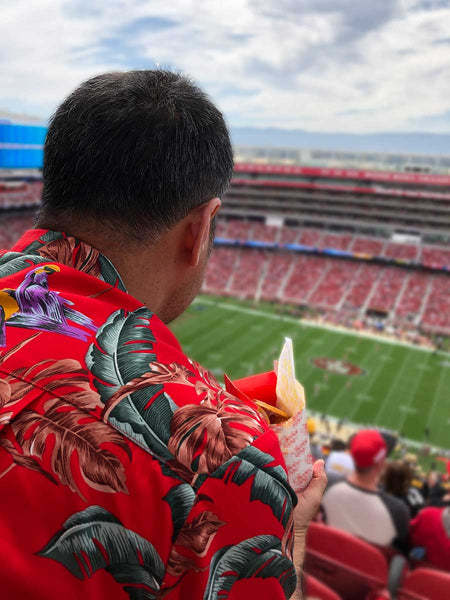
point(375, 201)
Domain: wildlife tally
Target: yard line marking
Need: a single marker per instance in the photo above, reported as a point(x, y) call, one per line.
point(436, 396)
point(407, 409)
point(313, 324)
point(412, 396)
point(345, 389)
point(393, 386)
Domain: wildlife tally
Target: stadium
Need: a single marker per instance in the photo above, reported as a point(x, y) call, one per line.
point(345, 253)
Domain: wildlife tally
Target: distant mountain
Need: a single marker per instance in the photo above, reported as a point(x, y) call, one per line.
point(403, 143)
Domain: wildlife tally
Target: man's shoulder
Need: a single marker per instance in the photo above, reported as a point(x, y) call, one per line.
point(397, 508)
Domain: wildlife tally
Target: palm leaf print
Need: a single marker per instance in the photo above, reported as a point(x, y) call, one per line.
point(120, 362)
point(95, 539)
point(259, 556)
point(269, 484)
point(65, 420)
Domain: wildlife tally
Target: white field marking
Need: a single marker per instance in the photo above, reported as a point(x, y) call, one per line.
point(392, 388)
point(234, 326)
point(436, 396)
point(423, 368)
point(385, 358)
point(207, 333)
point(407, 409)
point(412, 395)
point(344, 389)
point(308, 323)
point(364, 397)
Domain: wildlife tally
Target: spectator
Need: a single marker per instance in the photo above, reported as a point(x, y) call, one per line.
point(339, 463)
point(431, 530)
point(437, 494)
point(122, 461)
point(357, 504)
point(397, 479)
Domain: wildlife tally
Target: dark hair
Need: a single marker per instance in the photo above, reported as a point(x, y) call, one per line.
point(338, 445)
point(138, 150)
point(397, 478)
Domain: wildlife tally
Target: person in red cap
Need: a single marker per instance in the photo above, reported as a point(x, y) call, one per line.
point(358, 505)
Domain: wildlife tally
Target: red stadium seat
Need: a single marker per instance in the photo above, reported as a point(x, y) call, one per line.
point(318, 591)
point(347, 564)
point(425, 584)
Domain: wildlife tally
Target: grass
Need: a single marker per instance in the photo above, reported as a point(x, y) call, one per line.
point(402, 388)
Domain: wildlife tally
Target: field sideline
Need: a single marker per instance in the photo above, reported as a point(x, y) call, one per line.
point(402, 388)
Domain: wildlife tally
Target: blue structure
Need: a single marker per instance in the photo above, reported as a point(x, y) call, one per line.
point(21, 146)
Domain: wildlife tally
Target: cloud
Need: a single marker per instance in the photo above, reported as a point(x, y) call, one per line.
point(325, 65)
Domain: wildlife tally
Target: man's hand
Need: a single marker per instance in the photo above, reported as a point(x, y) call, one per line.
point(309, 500)
point(305, 511)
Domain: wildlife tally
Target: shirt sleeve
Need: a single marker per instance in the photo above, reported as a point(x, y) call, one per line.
point(238, 534)
point(400, 515)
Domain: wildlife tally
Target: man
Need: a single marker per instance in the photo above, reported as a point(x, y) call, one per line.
point(357, 504)
point(126, 471)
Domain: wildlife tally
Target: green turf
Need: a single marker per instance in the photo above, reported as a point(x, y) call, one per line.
point(402, 388)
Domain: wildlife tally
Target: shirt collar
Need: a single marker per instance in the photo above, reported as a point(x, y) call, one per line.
point(70, 251)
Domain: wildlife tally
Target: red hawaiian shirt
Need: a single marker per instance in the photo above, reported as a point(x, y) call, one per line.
point(126, 471)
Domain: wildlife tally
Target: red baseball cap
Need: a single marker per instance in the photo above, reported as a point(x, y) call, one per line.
point(368, 448)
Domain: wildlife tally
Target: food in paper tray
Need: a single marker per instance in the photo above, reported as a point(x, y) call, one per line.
point(281, 400)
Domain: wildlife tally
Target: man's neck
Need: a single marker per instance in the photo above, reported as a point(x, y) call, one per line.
point(142, 267)
point(367, 482)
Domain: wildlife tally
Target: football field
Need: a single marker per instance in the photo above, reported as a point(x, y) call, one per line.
point(366, 381)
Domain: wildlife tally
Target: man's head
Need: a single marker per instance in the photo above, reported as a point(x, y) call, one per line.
point(369, 451)
point(130, 160)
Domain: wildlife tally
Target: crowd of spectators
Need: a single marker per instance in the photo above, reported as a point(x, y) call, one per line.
point(408, 305)
point(390, 503)
point(434, 256)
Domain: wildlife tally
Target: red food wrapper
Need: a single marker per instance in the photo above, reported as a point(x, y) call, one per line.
point(281, 399)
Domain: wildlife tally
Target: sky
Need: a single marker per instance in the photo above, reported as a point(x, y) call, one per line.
point(353, 66)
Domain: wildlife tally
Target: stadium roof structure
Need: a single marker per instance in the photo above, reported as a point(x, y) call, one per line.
point(413, 163)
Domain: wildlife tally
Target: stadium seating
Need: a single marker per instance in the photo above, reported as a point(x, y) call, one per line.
point(350, 566)
point(310, 237)
point(361, 285)
point(425, 584)
point(304, 277)
point(337, 242)
point(289, 235)
point(12, 225)
point(387, 289)
point(248, 269)
point(315, 590)
point(278, 268)
point(406, 252)
point(332, 287)
point(413, 294)
point(264, 233)
point(239, 230)
point(220, 268)
point(435, 257)
point(20, 195)
point(367, 246)
point(437, 311)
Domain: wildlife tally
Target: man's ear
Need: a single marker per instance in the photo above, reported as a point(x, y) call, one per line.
point(197, 239)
